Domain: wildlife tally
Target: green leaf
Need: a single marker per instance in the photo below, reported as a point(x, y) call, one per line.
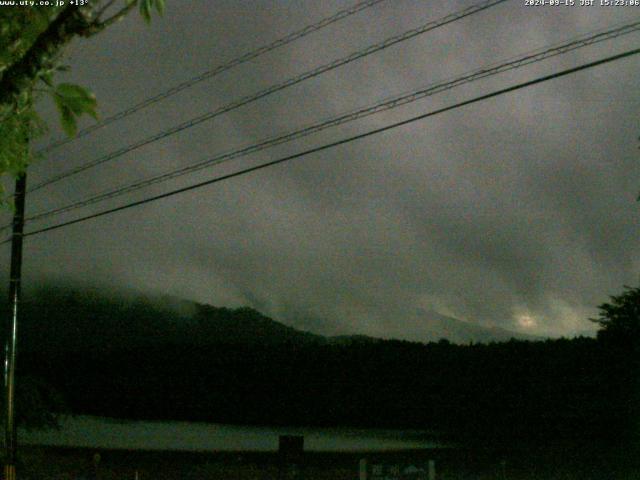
point(67, 117)
point(75, 93)
point(69, 123)
point(47, 78)
point(15, 45)
point(145, 10)
point(77, 99)
point(159, 4)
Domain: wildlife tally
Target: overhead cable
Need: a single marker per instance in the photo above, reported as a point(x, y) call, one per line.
point(484, 72)
point(251, 55)
point(327, 146)
point(274, 88)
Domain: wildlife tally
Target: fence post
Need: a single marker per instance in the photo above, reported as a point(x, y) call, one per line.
point(432, 470)
point(363, 469)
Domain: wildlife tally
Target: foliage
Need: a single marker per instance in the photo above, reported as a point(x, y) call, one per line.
point(620, 319)
point(19, 29)
point(16, 131)
point(619, 336)
point(32, 40)
point(147, 5)
point(72, 101)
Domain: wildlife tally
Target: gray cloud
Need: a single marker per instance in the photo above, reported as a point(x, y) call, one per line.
point(519, 207)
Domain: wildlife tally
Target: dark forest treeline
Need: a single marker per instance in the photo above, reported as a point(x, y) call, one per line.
point(145, 362)
point(561, 388)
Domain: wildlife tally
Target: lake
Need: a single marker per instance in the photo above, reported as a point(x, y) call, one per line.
point(96, 432)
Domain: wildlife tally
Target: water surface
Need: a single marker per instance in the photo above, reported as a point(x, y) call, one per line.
point(96, 432)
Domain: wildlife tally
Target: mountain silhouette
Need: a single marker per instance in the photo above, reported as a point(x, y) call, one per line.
point(95, 319)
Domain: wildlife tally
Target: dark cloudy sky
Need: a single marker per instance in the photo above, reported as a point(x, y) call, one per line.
point(518, 212)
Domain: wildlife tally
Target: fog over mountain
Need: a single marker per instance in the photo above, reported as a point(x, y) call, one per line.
point(137, 357)
point(65, 317)
point(518, 213)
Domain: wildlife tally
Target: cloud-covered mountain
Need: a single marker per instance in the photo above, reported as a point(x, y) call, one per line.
point(130, 356)
point(436, 326)
point(65, 318)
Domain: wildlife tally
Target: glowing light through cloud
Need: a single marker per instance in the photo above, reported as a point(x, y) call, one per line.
point(526, 321)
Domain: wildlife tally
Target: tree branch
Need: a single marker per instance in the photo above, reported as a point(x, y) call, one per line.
point(99, 26)
point(72, 21)
point(20, 75)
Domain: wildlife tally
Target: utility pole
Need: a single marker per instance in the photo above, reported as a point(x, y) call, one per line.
point(11, 330)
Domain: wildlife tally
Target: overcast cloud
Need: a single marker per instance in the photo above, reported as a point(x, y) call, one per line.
point(518, 212)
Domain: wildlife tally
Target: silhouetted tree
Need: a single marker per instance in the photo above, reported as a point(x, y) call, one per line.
point(619, 337)
point(620, 319)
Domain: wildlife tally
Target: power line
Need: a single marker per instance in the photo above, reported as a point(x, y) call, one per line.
point(484, 72)
point(276, 88)
point(253, 54)
point(339, 142)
